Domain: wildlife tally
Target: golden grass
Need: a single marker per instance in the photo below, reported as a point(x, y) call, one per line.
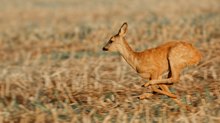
point(52, 68)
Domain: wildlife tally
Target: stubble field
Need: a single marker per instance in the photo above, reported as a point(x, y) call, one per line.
point(53, 69)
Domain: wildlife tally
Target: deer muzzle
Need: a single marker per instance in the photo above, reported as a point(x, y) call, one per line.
point(104, 49)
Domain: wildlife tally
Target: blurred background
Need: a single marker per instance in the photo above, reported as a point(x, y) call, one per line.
point(53, 69)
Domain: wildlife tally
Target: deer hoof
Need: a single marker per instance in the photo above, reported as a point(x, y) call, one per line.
point(146, 84)
point(145, 96)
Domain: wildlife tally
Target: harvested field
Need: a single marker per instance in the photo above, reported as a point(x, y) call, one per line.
point(53, 69)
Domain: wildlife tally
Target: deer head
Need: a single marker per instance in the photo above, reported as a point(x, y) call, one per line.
point(116, 41)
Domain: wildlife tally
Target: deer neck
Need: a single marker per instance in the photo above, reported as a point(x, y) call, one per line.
point(128, 54)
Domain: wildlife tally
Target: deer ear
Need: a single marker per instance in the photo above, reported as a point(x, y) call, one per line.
point(123, 29)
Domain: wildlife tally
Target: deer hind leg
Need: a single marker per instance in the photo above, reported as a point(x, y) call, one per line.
point(173, 79)
point(156, 89)
point(165, 88)
point(175, 69)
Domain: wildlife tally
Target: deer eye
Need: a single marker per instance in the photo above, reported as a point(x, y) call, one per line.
point(110, 41)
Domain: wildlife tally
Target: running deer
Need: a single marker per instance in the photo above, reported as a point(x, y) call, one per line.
point(151, 64)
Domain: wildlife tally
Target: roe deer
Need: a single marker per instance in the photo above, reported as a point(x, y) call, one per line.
point(171, 57)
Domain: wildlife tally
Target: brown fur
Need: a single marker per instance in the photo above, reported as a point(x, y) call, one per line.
point(152, 63)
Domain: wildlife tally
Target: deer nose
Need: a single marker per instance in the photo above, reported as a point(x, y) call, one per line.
point(104, 49)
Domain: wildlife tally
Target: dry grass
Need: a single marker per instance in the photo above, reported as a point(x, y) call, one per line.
point(52, 68)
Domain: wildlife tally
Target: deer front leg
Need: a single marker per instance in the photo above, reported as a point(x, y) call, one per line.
point(149, 94)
